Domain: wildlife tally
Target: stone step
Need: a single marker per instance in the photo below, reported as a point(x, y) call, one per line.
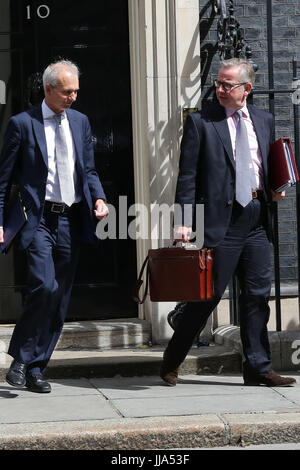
point(130, 362)
point(103, 334)
point(284, 345)
point(139, 361)
point(118, 347)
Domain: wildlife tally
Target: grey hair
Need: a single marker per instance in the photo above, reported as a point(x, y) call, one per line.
point(247, 72)
point(51, 72)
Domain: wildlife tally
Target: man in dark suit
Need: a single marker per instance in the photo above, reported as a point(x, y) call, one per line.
point(212, 148)
point(63, 197)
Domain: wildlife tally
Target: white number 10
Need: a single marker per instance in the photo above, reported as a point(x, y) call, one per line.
point(43, 11)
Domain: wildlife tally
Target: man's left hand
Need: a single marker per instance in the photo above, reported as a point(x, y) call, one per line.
point(101, 209)
point(277, 196)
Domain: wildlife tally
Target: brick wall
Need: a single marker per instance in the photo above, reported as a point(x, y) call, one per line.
point(252, 17)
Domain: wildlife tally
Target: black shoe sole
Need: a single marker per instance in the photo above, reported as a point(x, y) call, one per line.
point(34, 389)
point(14, 384)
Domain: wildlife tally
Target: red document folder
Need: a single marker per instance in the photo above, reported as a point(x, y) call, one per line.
point(282, 165)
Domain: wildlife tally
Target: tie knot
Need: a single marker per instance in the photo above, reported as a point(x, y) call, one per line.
point(239, 113)
point(57, 118)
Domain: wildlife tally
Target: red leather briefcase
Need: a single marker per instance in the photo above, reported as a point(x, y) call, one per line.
point(177, 274)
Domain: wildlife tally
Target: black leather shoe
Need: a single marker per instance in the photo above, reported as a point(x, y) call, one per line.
point(36, 383)
point(16, 376)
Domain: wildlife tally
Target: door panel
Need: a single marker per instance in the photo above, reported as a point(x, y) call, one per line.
point(94, 34)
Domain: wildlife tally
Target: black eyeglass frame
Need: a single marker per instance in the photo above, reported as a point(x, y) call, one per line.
point(228, 86)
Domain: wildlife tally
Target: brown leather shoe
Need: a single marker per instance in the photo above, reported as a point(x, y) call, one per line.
point(271, 379)
point(169, 376)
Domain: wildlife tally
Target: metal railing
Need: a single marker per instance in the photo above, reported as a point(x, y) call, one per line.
point(231, 43)
point(234, 286)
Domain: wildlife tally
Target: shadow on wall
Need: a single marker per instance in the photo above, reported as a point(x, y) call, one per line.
point(164, 147)
point(164, 138)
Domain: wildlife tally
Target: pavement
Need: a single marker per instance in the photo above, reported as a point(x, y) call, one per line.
point(114, 400)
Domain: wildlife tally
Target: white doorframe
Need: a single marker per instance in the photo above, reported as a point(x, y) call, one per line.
point(165, 78)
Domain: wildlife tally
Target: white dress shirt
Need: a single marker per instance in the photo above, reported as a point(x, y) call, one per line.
point(52, 187)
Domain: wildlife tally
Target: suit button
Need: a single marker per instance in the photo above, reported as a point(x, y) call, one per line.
point(229, 202)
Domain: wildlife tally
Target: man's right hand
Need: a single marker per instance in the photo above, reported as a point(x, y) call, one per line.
point(182, 234)
point(1, 235)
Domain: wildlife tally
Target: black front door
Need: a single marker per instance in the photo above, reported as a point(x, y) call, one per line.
point(94, 34)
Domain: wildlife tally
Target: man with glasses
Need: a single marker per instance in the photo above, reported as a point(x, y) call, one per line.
point(224, 165)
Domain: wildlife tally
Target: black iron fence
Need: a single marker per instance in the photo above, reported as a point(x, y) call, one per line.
point(270, 93)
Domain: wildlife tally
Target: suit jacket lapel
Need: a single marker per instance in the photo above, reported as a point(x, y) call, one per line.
point(76, 131)
point(220, 123)
point(259, 124)
point(38, 127)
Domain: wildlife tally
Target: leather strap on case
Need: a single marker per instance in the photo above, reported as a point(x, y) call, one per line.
point(139, 283)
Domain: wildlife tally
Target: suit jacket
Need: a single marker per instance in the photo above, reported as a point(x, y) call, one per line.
point(207, 168)
point(25, 149)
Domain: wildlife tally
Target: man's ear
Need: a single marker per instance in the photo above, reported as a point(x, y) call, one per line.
point(248, 88)
point(48, 89)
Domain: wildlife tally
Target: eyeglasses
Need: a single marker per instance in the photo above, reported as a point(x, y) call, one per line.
point(228, 86)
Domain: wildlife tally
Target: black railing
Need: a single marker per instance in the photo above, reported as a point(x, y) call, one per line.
point(234, 286)
point(231, 43)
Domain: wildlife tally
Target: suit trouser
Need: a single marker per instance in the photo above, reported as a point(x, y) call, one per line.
point(52, 257)
point(245, 250)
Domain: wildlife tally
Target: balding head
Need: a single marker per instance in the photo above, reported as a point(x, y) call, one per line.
point(61, 84)
point(52, 72)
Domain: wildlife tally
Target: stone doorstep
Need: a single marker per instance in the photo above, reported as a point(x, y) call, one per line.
point(111, 347)
point(107, 348)
point(103, 334)
point(134, 361)
point(139, 362)
point(285, 345)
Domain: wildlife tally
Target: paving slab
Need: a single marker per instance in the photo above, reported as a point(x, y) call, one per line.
point(290, 393)
point(142, 413)
point(65, 387)
point(188, 385)
point(180, 406)
point(147, 396)
point(37, 408)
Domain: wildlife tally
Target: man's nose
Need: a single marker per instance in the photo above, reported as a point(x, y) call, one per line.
point(73, 95)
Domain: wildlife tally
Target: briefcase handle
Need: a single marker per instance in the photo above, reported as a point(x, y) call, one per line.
point(139, 282)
